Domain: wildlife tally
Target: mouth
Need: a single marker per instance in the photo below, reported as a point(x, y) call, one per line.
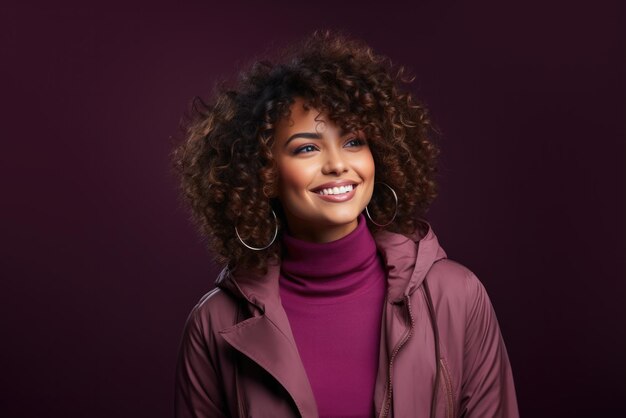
point(333, 191)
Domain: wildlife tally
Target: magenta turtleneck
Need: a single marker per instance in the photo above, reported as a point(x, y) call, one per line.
point(333, 294)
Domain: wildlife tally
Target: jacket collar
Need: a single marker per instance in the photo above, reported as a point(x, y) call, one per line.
point(407, 260)
point(266, 337)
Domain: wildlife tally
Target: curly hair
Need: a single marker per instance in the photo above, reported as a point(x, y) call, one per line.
point(229, 177)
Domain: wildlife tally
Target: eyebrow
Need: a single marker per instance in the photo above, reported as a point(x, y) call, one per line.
point(308, 135)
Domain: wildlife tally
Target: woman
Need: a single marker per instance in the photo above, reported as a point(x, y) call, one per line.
point(311, 177)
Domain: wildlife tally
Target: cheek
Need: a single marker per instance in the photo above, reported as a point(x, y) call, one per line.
point(368, 172)
point(292, 178)
point(366, 165)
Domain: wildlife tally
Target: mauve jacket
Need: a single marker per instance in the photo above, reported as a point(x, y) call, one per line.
point(238, 356)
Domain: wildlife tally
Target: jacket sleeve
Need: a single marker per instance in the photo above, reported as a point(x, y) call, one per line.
point(487, 389)
point(198, 392)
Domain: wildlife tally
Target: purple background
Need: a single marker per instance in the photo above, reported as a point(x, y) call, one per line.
point(100, 265)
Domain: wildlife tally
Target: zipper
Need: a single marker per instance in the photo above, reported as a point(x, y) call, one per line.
point(389, 388)
point(448, 387)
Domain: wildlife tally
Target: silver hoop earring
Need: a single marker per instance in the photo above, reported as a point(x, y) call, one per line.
point(395, 196)
point(261, 248)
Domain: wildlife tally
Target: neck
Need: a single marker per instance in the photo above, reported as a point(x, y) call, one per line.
point(327, 271)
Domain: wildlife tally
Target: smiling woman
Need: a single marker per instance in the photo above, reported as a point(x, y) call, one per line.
point(311, 178)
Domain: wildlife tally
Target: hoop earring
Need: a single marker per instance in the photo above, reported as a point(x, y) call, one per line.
point(395, 196)
point(271, 242)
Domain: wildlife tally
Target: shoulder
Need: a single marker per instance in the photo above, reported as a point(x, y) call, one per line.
point(452, 278)
point(454, 285)
point(214, 311)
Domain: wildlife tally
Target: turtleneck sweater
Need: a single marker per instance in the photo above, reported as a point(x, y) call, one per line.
point(333, 294)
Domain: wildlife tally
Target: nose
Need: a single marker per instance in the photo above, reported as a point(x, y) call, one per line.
point(335, 162)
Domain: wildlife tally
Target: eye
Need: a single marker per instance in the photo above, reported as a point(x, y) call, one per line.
point(302, 149)
point(357, 141)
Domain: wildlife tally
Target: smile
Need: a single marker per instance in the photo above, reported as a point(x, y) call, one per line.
point(337, 190)
point(337, 194)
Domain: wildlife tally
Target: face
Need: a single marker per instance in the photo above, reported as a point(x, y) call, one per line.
point(313, 158)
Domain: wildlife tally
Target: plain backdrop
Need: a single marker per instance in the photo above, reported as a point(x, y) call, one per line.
point(100, 265)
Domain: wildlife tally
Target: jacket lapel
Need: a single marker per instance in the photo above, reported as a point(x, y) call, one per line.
point(266, 337)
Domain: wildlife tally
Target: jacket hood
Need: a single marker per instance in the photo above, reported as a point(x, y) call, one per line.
point(407, 260)
point(402, 254)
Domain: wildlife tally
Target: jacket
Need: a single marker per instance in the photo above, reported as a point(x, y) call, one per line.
point(441, 350)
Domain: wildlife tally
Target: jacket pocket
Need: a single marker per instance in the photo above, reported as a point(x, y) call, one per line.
point(447, 388)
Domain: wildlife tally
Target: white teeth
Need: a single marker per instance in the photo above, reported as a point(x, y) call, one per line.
point(337, 190)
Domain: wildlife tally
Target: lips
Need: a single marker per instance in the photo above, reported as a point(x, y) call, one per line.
point(332, 184)
point(337, 198)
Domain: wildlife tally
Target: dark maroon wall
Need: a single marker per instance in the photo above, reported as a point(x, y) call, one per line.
point(100, 265)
